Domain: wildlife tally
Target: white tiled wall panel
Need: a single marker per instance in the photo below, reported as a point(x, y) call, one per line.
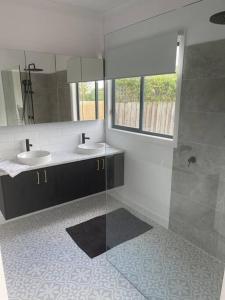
point(52, 137)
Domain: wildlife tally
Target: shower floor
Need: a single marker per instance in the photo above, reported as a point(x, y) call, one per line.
point(41, 261)
point(164, 266)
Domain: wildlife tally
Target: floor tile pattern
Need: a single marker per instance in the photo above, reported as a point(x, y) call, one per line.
point(41, 261)
point(164, 266)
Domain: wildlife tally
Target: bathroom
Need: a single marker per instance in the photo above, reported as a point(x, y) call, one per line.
point(112, 117)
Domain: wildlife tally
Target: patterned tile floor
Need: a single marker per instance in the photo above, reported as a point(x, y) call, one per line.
point(41, 262)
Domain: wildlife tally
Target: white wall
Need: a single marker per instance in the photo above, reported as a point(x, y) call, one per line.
point(148, 171)
point(48, 27)
point(51, 137)
point(193, 19)
point(139, 10)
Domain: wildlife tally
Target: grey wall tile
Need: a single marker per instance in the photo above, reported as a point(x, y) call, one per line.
point(205, 60)
point(196, 187)
point(39, 80)
point(209, 159)
point(187, 231)
point(61, 78)
point(220, 203)
point(52, 81)
point(205, 128)
point(198, 191)
point(184, 209)
point(201, 234)
point(203, 95)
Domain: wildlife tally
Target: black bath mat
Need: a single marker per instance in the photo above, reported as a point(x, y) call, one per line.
point(100, 234)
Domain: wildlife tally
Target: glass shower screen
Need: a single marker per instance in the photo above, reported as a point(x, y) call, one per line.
point(165, 182)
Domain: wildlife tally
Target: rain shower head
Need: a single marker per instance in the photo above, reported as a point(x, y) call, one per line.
point(218, 18)
point(32, 68)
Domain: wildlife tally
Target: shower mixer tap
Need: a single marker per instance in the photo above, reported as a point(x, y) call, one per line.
point(192, 160)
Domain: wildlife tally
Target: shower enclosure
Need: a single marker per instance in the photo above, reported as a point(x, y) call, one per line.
point(166, 109)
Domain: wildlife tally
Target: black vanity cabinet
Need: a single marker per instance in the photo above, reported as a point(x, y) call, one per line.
point(70, 181)
point(115, 171)
point(38, 189)
point(27, 192)
point(94, 176)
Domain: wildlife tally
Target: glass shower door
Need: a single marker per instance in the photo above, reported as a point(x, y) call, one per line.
point(165, 223)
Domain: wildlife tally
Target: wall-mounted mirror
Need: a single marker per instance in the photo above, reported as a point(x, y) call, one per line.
point(80, 88)
point(42, 88)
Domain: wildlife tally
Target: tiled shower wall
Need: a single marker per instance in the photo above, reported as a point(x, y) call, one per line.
point(198, 190)
point(64, 136)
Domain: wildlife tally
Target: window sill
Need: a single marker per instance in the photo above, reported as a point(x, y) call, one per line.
point(151, 138)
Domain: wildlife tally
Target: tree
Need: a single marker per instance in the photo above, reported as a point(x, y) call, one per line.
point(87, 91)
point(160, 88)
point(156, 88)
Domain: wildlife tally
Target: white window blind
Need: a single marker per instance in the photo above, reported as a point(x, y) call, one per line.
point(149, 56)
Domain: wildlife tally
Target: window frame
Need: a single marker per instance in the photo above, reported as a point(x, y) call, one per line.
point(141, 113)
point(96, 101)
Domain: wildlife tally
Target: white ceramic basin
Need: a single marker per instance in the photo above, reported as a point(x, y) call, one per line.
point(90, 148)
point(32, 158)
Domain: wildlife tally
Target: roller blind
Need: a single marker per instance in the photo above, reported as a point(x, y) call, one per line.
point(92, 69)
point(149, 56)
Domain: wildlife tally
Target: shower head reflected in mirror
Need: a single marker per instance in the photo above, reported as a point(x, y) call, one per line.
point(32, 68)
point(218, 18)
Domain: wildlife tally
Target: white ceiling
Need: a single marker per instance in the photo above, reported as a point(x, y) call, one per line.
point(100, 6)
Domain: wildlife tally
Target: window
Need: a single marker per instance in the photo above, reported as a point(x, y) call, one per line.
point(127, 102)
point(90, 99)
point(145, 104)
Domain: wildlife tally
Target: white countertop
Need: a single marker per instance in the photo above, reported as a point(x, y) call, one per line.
point(63, 157)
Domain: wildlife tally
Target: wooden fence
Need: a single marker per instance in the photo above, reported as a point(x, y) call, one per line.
point(158, 116)
point(87, 110)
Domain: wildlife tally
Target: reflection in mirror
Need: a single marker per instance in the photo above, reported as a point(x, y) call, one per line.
point(82, 100)
point(11, 107)
point(87, 95)
point(37, 88)
point(11, 82)
point(66, 92)
point(101, 100)
point(91, 100)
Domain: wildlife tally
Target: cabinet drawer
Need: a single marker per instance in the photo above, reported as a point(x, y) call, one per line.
point(30, 191)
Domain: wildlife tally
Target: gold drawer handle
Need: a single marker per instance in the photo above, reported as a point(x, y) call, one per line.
point(38, 177)
point(46, 177)
point(98, 165)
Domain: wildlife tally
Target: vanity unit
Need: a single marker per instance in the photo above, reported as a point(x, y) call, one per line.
point(44, 187)
point(47, 88)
